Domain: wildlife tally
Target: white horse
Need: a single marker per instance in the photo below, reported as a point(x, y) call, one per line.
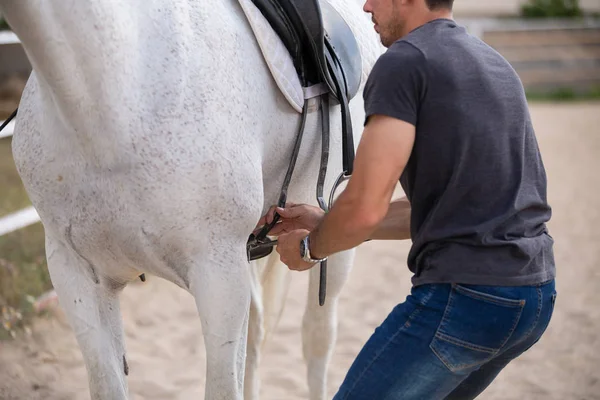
point(150, 138)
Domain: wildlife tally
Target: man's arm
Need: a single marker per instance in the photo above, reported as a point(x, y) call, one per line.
point(382, 154)
point(396, 224)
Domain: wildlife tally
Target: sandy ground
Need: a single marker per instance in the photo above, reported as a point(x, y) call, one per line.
point(166, 354)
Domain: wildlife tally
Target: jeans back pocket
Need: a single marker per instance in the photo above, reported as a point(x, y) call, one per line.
point(475, 326)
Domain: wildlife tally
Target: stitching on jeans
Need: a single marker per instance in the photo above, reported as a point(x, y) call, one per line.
point(521, 305)
point(402, 329)
point(537, 320)
point(512, 329)
point(444, 319)
point(537, 314)
point(446, 312)
point(543, 283)
point(458, 367)
point(443, 359)
point(501, 301)
point(467, 345)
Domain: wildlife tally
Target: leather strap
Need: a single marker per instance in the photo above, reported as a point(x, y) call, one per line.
point(325, 129)
point(347, 134)
point(262, 235)
point(325, 132)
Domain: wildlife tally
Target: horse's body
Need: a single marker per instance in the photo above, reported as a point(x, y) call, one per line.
point(151, 138)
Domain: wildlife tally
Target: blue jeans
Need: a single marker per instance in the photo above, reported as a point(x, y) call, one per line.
point(448, 342)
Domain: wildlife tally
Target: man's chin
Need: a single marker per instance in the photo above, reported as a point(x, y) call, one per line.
point(385, 43)
point(388, 40)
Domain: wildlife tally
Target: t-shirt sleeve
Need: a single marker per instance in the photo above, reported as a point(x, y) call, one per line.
point(396, 83)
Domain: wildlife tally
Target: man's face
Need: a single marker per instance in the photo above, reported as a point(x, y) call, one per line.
point(389, 17)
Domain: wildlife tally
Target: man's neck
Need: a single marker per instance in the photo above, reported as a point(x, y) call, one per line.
point(426, 18)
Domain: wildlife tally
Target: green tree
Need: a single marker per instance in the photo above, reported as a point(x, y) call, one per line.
point(551, 9)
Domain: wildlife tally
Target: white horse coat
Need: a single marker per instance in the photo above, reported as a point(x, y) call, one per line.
point(150, 138)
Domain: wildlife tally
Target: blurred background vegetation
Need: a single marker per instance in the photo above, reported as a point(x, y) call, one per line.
point(3, 24)
point(23, 272)
point(551, 9)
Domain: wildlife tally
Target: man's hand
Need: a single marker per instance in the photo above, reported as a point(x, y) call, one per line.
point(293, 217)
point(288, 247)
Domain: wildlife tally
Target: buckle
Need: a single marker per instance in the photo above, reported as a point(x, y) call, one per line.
point(257, 249)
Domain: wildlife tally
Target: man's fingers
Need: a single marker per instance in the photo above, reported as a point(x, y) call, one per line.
point(290, 212)
point(261, 222)
point(271, 214)
point(277, 230)
point(281, 228)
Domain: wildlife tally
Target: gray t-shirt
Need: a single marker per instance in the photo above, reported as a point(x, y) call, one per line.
point(475, 178)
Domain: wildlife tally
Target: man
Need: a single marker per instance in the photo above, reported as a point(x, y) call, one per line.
point(446, 115)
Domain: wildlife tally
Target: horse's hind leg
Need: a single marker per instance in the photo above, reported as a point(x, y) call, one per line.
point(220, 283)
point(256, 334)
point(270, 284)
point(319, 326)
point(93, 311)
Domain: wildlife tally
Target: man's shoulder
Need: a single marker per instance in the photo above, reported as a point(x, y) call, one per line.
point(401, 54)
point(435, 37)
point(420, 44)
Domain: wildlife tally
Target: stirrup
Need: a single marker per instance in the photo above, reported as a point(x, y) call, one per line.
point(257, 249)
point(344, 176)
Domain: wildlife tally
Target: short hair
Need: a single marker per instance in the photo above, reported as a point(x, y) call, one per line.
point(439, 4)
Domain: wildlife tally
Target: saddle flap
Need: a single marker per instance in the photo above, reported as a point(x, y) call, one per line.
point(345, 46)
point(276, 55)
point(321, 45)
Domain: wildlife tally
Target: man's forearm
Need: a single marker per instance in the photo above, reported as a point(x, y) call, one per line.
point(326, 240)
point(343, 228)
point(396, 224)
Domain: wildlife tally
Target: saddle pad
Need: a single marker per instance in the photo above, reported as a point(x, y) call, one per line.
point(276, 56)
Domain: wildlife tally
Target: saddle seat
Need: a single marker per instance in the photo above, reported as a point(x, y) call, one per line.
point(322, 47)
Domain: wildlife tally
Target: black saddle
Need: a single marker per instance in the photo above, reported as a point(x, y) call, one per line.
point(321, 43)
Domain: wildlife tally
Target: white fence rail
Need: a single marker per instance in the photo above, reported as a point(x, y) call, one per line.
point(8, 37)
point(20, 219)
point(8, 129)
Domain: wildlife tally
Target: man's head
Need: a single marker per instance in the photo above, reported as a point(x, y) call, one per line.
point(395, 18)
